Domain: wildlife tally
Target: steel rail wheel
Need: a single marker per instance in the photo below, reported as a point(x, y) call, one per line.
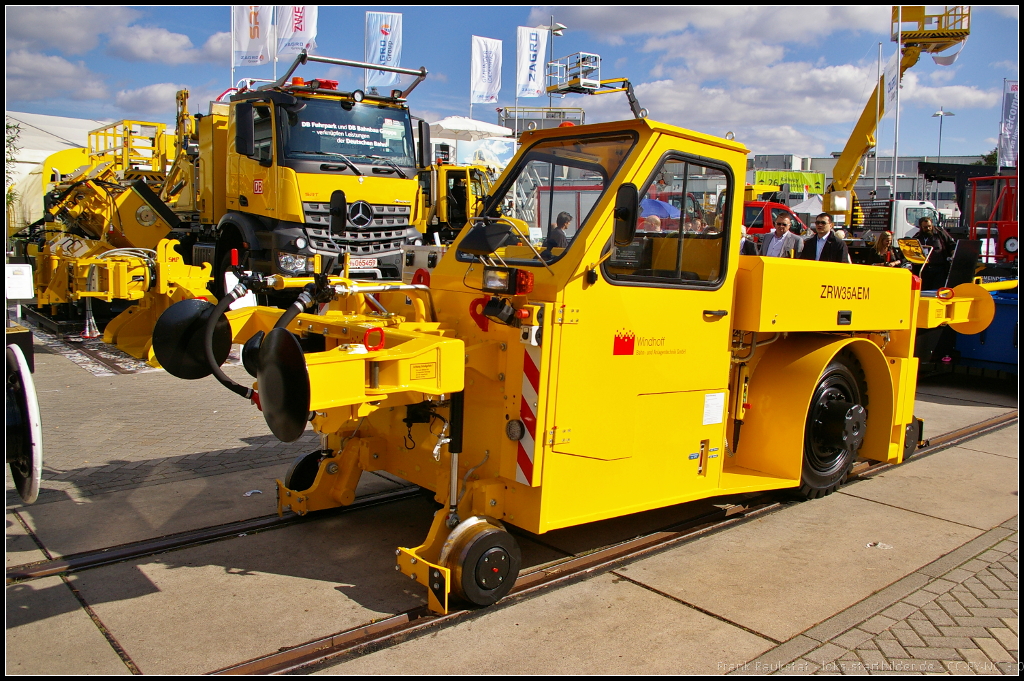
point(484, 560)
point(835, 427)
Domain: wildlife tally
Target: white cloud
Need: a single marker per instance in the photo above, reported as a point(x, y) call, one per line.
point(785, 24)
point(70, 30)
point(33, 76)
point(1006, 65)
point(950, 96)
point(138, 43)
point(151, 100)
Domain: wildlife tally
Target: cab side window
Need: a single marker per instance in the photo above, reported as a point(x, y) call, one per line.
point(682, 228)
point(263, 134)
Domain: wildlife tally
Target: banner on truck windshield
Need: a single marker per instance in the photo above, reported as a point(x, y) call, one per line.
point(383, 46)
point(250, 34)
point(485, 76)
point(1008, 148)
point(531, 43)
point(296, 28)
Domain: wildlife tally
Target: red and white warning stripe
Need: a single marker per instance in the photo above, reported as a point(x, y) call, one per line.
point(528, 414)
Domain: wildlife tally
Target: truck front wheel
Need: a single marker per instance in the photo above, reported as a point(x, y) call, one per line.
point(835, 427)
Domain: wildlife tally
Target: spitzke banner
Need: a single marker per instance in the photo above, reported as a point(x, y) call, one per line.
point(296, 28)
point(250, 34)
point(383, 46)
point(1008, 144)
point(485, 65)
point(531, 44)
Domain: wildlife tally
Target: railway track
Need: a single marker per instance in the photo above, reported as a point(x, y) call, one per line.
point(417, 621)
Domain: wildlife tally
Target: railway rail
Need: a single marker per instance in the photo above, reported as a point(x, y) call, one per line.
point(417, 621)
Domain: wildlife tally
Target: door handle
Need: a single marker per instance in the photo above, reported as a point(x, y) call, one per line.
point(716, 313)
point(243, 201)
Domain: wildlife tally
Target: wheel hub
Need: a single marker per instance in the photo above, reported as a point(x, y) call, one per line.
point(492, 568)
point(840, 425)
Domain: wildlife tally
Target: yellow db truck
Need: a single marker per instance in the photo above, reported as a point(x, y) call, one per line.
point(623, 369)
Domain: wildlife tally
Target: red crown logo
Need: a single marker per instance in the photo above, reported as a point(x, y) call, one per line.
point(625, 341)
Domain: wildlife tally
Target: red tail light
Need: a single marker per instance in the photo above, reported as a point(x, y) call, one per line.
point(524, 282)
point(915, 283)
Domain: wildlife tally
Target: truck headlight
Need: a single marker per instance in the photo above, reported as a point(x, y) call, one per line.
point(291, 263)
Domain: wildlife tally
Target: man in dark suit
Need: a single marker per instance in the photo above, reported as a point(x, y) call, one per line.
point(824, 245)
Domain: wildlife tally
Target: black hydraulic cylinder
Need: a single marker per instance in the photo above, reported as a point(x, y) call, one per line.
point(455, 417)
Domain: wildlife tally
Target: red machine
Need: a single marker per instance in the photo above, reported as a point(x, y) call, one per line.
point(993, 216)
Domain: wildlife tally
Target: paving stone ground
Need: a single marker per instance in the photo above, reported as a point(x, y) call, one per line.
point(104, 433)
point(957, 615)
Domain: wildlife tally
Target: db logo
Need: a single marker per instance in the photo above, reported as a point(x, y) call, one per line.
point(257, 186)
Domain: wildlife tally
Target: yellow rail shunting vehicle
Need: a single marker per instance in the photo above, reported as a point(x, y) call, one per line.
point(632, 368)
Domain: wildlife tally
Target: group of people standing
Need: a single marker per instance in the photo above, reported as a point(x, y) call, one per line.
point(825, 245)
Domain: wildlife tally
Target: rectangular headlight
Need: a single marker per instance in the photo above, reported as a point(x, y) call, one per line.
point(498, 280)
point(291, 263)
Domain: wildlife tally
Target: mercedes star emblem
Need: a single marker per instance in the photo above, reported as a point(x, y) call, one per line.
point(360, 214)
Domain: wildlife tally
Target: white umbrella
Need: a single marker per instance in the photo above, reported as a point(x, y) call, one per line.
point(812, 205)
point(466, 129)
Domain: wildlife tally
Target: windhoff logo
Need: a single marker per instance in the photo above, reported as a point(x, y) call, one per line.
point(628, 343)
point(360, 214)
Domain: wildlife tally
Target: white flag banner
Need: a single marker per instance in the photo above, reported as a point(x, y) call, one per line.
point(296, 28)
point(1008, 144)
point(250, 34)
point(485, 77)
point(383, 45)
point(892, 82)
point(530, 47)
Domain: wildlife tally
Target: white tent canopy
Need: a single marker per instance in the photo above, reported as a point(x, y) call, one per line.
point(812, 205)
point(465, 129)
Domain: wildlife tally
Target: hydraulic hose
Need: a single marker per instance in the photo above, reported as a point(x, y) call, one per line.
point(211, 325)
point(304, 300)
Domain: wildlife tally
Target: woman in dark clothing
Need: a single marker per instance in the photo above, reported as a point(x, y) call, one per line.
point(884, 253)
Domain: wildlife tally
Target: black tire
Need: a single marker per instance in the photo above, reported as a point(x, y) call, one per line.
point(302, 473)
point(485, 566)
point(834, 430)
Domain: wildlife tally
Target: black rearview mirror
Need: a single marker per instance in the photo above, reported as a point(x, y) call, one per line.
point(627, 205)
point(425, 153)
point(339, 212)
point(245, 138)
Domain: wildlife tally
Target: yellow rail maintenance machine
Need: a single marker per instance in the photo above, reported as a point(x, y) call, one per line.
point(630, 369)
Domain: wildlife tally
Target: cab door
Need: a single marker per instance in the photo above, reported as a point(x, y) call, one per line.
point(644, 351)
point(256, 189)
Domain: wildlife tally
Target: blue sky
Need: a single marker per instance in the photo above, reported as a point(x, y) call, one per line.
point(783, 79)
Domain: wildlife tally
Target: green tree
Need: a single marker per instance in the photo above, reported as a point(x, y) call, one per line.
point(13, 132)
point(989, 159)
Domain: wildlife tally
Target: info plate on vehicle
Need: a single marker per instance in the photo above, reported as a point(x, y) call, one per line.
point(356, 263)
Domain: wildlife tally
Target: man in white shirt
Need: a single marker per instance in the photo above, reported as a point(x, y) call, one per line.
point(781, 243)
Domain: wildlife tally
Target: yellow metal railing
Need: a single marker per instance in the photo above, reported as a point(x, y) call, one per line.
point(934, 32)
point(132, 145)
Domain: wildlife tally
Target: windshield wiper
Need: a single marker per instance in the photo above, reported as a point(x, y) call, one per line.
point(391, 163)
point(345, 159)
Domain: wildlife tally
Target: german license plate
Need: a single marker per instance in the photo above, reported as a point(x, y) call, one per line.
point(362, 263)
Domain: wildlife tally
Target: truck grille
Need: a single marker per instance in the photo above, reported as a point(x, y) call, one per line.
point(387, 232)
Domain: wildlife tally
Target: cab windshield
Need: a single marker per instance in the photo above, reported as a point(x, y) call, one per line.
point(548, 197)
point(366, 134)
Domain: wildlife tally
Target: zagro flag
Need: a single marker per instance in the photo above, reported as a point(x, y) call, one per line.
point(296, 28)
point(250, 34)
point(892, 82)
point(531, 43)
point(383, 46)
point(485, 77)
point(1008, 150)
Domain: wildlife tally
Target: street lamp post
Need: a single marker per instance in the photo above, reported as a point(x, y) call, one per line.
point(940, 114)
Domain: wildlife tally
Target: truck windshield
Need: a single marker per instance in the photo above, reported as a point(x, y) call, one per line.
point(546, 199)
point(366, 133)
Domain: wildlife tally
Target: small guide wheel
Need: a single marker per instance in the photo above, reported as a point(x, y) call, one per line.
point(24, 427)
point(302, 473)
point(484, 559)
